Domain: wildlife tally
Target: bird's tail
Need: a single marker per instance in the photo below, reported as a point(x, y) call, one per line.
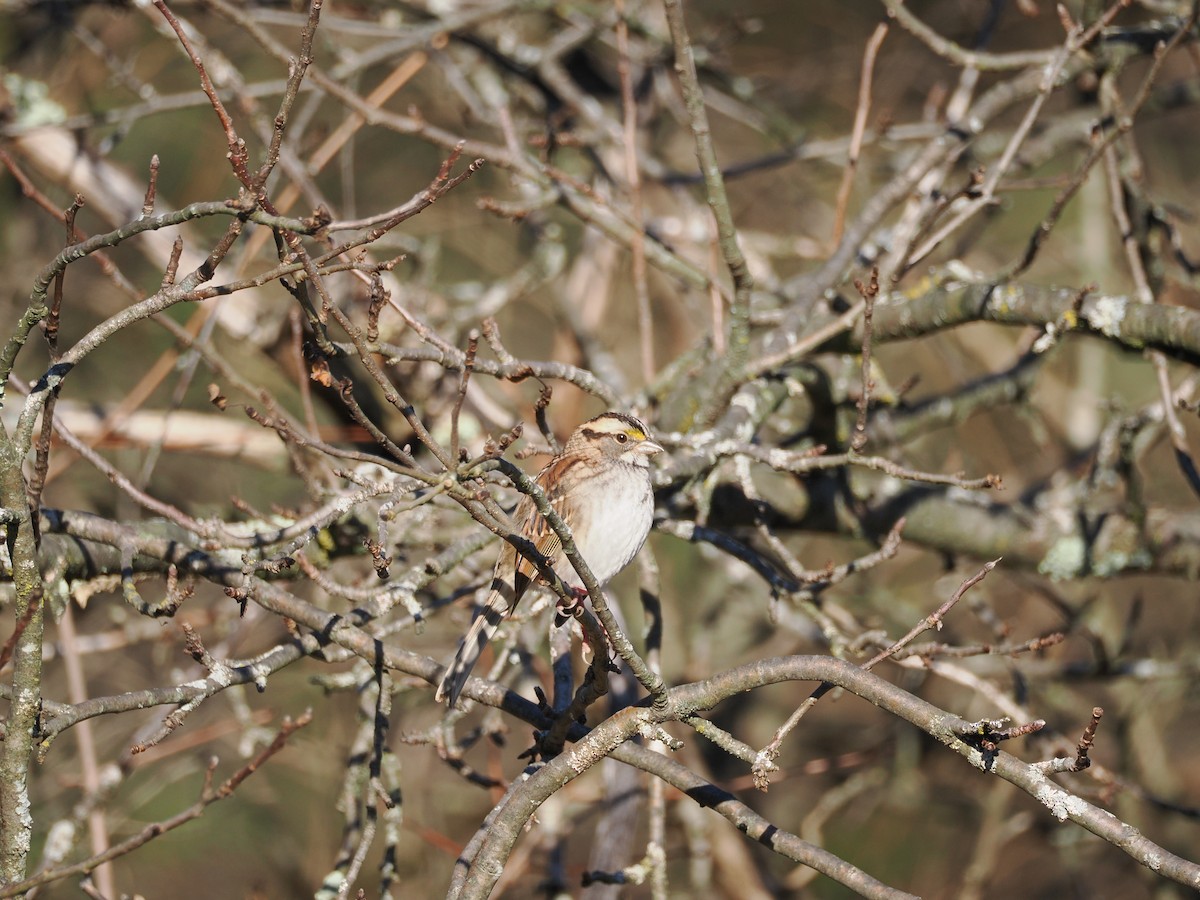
point(487, 620)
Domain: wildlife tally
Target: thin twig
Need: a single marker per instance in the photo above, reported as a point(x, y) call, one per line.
point(861, 111)
point(934, 619)
point(738, 349)
point(208, 796)
point(633, 177)
point(1133, 256)
point(768, 755)
point(1121, 127)
point(237, 147)
point(868, 292)
point(463, 382)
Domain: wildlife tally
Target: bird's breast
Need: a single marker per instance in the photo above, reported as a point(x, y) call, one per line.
point(616, 528)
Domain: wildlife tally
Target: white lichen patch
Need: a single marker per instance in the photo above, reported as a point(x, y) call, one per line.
point(1065, 559)
point(1107, 314)
point(1047, 340)
point(1061, 804)
point(960, 271)
point(578, 762)
point(31, 102)
point(1006, 298)
point(60, 840)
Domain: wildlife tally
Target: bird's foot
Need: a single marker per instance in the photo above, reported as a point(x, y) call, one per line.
point(570, 609)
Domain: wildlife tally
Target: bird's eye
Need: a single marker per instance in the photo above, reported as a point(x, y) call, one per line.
point(622, 438)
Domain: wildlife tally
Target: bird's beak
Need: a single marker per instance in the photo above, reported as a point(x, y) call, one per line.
point(649, 448)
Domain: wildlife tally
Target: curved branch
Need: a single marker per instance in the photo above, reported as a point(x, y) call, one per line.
point(1173, 330)
point(945, 727)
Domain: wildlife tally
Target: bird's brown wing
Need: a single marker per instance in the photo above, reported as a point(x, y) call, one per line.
point(553, 480)
point(505, 595)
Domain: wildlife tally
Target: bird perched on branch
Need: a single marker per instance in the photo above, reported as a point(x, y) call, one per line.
point(600, 486)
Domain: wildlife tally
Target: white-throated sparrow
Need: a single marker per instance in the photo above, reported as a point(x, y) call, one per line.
point(600, 486)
